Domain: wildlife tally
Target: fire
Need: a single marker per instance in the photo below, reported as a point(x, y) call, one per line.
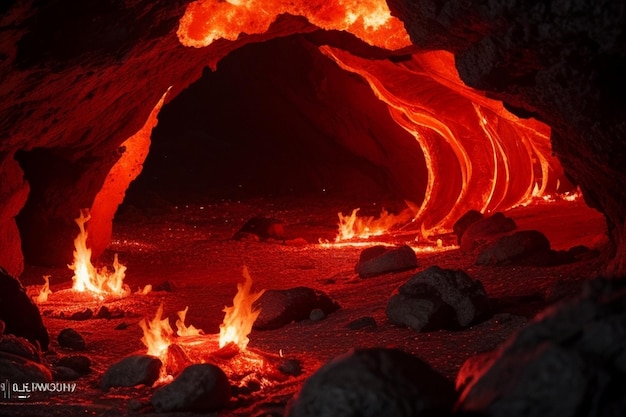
point(208, 20)
point(157, 334)
point(45, 291)
point(239, 318)
point(182, 329)
point(89, 278)
point(353, 226)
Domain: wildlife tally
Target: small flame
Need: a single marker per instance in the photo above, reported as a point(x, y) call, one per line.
point(86, 276)
point(45, 291)
point(182, 329)
point(352, 226)
point(239, 318)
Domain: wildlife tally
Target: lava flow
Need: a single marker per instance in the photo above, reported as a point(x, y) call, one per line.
point(189, 345)
point(87, 278)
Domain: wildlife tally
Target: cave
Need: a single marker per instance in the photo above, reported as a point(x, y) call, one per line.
point(330, 166)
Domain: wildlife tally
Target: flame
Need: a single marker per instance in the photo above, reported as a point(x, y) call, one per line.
point(182, 329)
point(86, 276)
point(44, 292)
point(239, 318)
point(157, 334)
point(205, 21)
point(352, 226)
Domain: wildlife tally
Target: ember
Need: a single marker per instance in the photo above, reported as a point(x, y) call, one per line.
point(89, 278)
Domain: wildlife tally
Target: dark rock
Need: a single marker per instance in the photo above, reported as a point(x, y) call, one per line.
point(199, 388)
point(526, 247)
point(62, 373)
point(439, 298)
point(19, 369)
point(263, 227)
point(169, 286)
point(465, 221)
point(71, 339)
point(317, 314)
point(18, 312)
point(290, 367)
point(121, 326)
point(567, 362)
point(362, 323)
point(19, 346)
point(79, 363)
point(132, 370)
point(374, 383)
point(103, 313)
point(281, 307)
point(486, 230)
point(86, 314)
point(379, 260)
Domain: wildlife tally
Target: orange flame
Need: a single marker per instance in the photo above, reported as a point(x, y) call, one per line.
point(44, 292)
point(352, 226)
point(86, 276)
point(208, 20)
point(239, 318)
point(157, 334)
point(182, 329)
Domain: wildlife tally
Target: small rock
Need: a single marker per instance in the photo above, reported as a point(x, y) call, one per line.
point(290, 367)
point(199, 388)
point(362, 323)
point(121, 326)
point(19, 369)
point(103, 313)
point(81, 315)
point(132, 370)
point(71, 339)
point(263, 227)
point(374, 383)
point(317, 314)
point(20, 346)
point(169, 286)
point(79, 363)
point(379, 260)
point(526, 247)
point(465, 221)
point(486, 230)
point(281, 307)
point(62, 373)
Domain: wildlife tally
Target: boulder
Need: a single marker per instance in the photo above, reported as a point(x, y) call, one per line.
point(199, 388)
point(19, 346)
point(281, 307)
point(373, 383)
point(465, 221)
point(19, 313)
point(132, 370)
point(569, 361)
point(526, 247)
point(486, 230)
point(20, 369)
point(71, 339)
point(438, 298)
point(379, 260)
point(79, 363)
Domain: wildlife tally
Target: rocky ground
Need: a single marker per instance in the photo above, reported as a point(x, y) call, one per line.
point(189, 248)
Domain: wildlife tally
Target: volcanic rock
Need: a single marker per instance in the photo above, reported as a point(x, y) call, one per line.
point(62, 373)
point(569, 361)
point(281, 307)
point(132, 370)
point(486, 230)
point(19, 369)
point(379, 260)
point(374, 383)
point(526, 247)
point(362, 323)
point(18, 312)
point(438, 298)
point(465, 221)
point(71, 339)
point(79, 363)
point(317, 314)
point(19, 346)
point(199, 388)
point(263, 228)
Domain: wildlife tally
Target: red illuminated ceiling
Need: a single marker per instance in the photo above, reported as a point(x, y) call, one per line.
point(478, 155)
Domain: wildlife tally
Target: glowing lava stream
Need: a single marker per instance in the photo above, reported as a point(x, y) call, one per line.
point(88, 278)
point(158, 335)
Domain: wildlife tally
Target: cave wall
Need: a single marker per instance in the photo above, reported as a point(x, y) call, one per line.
point(561, 61)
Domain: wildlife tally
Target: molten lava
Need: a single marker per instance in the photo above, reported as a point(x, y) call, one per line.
point(370, 20)
point(87, 278)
